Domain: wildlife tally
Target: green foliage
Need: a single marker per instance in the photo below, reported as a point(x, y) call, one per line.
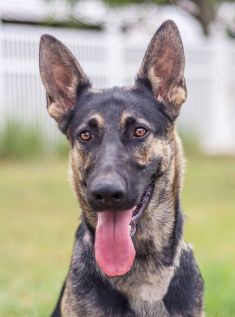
point(70, 2)
point(72, 22)
point(125, 2)
point(18, 141)
point(24, 142)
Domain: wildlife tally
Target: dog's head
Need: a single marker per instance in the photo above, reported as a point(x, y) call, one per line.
point(120, 137)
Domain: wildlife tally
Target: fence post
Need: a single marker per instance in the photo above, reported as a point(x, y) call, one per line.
point(115, 62)
point(218, 139)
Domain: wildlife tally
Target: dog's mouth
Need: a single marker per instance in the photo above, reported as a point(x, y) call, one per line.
point(114, 249)
point(140, 208)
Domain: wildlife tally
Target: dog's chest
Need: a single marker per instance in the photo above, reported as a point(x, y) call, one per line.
point(146, 297)
point(145, 309)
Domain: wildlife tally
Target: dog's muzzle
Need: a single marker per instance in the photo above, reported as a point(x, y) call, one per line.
point(117, 223)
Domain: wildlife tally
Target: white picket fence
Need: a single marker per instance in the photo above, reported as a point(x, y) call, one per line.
point(111, 59)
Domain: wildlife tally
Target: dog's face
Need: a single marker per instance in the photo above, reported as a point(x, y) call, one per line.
point(120, 138)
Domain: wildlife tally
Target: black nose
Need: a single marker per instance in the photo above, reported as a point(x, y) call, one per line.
point(108, 194)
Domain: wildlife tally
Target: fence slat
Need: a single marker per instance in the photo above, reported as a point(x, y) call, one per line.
point(111, 59)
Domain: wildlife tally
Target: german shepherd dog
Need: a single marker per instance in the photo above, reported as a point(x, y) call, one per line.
point(126, 162)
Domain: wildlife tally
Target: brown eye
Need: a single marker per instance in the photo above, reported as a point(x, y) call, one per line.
point(140, 132)
point(85, 136)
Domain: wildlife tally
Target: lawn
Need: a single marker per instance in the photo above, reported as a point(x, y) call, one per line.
point(39, 215)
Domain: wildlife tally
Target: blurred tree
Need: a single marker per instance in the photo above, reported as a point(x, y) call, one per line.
point(72, 3)
point(203, 10)
point(71, 21)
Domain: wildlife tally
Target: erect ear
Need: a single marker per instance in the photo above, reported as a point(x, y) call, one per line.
point(62, 77)
point(163, 67)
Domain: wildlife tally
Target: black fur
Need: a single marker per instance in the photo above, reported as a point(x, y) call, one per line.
point(168, 253)
point(183, 296)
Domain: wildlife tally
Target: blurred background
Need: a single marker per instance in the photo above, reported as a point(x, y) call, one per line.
point(38, 212)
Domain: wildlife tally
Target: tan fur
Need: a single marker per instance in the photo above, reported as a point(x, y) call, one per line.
point(156, 211)
point(123, 118)
point(125, 115)
point(70, 306)
point(77, 166)
point(154, 148)
point(55, 111)
point(99, 119)
point(66, 307)
point(175, 94)
point(154, 287)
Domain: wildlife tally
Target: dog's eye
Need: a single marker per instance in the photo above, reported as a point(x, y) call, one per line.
point(85, 135)
point(140, 132)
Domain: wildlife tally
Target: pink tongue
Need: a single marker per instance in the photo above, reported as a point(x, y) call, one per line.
point(114, 250)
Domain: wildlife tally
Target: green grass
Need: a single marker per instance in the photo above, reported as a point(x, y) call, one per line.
point(209, 202)
point(39, 215)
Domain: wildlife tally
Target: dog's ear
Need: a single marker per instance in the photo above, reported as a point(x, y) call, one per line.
point(62, 77)
point(163, 67)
